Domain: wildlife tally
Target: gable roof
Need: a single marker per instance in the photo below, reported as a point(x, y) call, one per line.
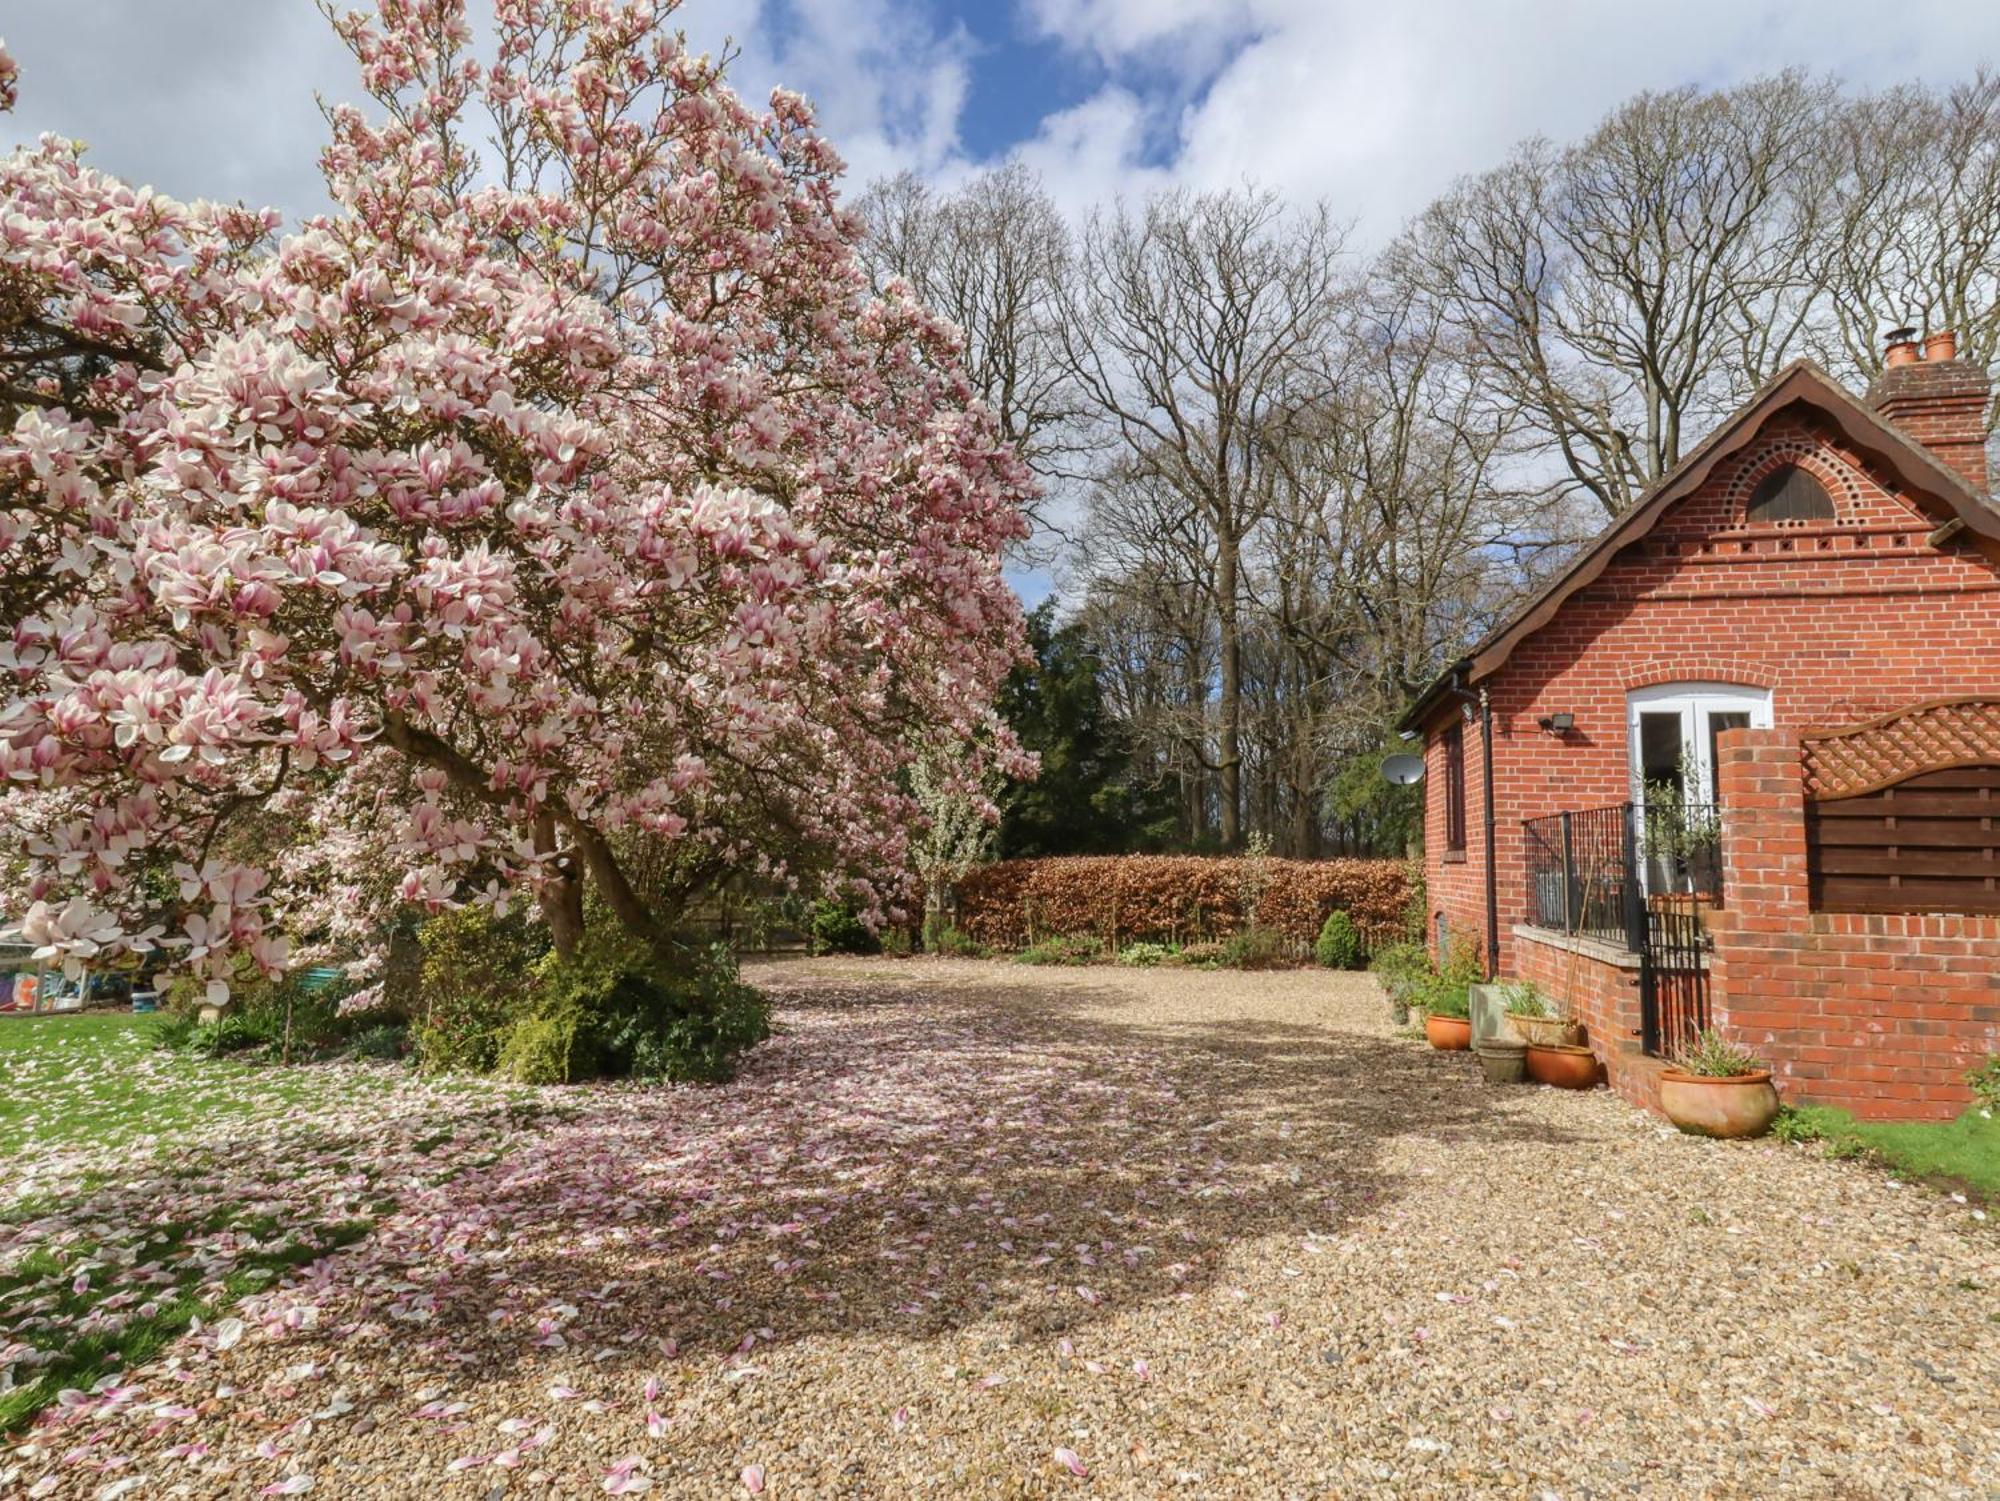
point(1936, 486)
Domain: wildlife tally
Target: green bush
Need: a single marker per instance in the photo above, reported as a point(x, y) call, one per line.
point(1447, 991)
point(1146, 955)
point(476, 981)
point(384, 1041)
point(235, 1032)
point(173, 1031)
point(896, 943)
point(1204, 955)
point(1985, 1082)
point(1254, 948)
point(1078, 948)
point(1339, 945)
point(620, 1009)
point(1402, 968)
point(957, 943)
point(836, 929)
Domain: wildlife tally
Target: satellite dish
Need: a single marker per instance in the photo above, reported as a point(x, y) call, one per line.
point(1403, 769)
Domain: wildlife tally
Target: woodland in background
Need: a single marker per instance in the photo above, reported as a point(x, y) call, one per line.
point(1285, 483)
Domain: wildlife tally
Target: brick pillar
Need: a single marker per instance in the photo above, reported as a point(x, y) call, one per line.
point(1760, 994)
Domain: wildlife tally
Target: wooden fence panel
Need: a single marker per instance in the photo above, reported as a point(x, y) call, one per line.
point(1929, 843)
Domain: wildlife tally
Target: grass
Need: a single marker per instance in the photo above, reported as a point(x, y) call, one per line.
point(1963, 1153)
point(100, 1131)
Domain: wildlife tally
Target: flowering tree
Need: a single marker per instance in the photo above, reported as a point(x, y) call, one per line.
point(579, 493)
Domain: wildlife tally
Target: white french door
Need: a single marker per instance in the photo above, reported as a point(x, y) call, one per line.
point(1671, 731)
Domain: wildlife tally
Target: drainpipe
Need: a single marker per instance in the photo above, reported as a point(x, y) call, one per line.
point(1492, 876)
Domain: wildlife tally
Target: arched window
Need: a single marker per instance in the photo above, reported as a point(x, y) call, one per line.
point(1788, 493)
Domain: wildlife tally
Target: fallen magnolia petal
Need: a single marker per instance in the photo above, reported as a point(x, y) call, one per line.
point(1070, 1460)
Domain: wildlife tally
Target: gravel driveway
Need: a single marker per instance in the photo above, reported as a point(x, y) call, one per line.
point(970, 1229)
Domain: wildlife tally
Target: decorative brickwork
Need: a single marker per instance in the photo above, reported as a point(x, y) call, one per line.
point(1840, 622)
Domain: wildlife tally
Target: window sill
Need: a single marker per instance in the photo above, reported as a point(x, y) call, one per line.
point(1452, 857)
point(1613, 954)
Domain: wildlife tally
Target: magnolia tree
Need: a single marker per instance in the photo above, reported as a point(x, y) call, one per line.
point(561, 514)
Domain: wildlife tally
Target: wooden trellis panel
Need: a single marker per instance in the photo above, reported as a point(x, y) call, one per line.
point(1903, 812)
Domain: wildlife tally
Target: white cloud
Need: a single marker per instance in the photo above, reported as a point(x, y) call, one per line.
point(1377, 108)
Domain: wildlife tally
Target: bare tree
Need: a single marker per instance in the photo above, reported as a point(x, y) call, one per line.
point(991, 257)
point(1906, 191)
point(1622, 294)
point(1197, 326)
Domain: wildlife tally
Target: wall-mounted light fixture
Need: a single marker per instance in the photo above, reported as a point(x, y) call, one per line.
point(1557, 724)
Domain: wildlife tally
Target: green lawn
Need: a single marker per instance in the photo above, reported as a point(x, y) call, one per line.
point(142, 1189)
point(1965, 1152)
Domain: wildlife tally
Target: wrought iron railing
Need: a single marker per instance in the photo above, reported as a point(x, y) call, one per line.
point(1594, 872)
point(1580, 872)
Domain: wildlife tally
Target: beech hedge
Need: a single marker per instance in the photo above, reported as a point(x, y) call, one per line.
point(1122, 899)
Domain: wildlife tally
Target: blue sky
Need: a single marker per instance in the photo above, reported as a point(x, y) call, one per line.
point(1374, 108)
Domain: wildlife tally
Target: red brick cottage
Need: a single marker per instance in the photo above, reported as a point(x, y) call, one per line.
point(1740, 763)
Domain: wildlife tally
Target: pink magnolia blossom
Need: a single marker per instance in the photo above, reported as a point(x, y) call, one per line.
point(469, 544)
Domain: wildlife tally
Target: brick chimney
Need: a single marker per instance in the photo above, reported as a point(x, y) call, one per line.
point(1937, 399)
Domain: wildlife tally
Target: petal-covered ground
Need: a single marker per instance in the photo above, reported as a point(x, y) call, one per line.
point(972, 1230)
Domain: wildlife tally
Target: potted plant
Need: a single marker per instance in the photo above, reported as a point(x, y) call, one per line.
point(1717, 1089)
point(1447, 1015)
point(1534, 1020)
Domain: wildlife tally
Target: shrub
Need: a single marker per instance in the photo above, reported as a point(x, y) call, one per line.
point(384, 1041)
point(1985, 1082)
point(173, 1031)
point(1146, 955)
point(1258, 948)
point(1447, 991)
point(956, 943)
point(233, 1033)
point(1339, 944)
point(1079, 949)
point(619, 1009)
point(1713, 1056)
point(836, 929)
point(1402, 968)
point(1177, 898)
point(1795, 1126)
point(896, 943)
point(1525, 998)
point(1198, 955)
point(476, 981)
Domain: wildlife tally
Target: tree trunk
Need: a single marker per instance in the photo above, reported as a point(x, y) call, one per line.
point(561, 896)
point(1231, 640)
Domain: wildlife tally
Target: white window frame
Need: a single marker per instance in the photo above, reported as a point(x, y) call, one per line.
point(1695, 701)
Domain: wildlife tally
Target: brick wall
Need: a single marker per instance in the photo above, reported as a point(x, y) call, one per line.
point(1880, 1014)
point(1840, 620)
point(1599, 987)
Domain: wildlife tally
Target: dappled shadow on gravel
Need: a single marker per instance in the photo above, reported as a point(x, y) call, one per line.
point(910, 1160)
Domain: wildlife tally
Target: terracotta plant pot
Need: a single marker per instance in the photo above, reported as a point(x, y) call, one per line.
point(1564, 1065)
point(1547, 1031)
point(1449, 1034)
point(1733, 1106)
point(1502, 1062)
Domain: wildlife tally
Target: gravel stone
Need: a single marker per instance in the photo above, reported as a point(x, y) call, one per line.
point(1206, 1234)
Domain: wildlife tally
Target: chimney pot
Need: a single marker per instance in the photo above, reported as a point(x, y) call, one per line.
point(1938, 400)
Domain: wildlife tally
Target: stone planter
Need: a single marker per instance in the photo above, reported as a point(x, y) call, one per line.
point(1562, 1064)
point(1489, 1013)
point(1502, 1061)
point(1733, 1106)
point(1448, 1034)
